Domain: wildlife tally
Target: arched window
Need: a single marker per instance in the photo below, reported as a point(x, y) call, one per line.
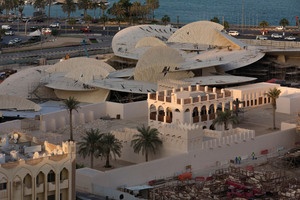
point(161, 114)
point(51, 176)
point(169, 115)
point(153, 112)
point(64, 174)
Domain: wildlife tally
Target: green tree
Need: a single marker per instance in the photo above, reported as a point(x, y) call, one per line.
point(126, 5)
point(118, 11)
point(263, 24)
point(49, 8)
point(225, 118)
point(85, 5)
point(71, 104)
point(68, 7)
point(91, 145)
point(215, 19)
point(153, 4)
point(72, 22)
point(226, 25)
point(166, 19)
point(38, 4)
point(7, 5)
point(284, 22)
point(104, 19)
point(102, 7)
point(21, 8)
point(110, 144)
point(94, 6)
point(135, 10)
point(273, 94)
point(146, 141)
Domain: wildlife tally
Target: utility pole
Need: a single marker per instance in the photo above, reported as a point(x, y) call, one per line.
point(243, 17)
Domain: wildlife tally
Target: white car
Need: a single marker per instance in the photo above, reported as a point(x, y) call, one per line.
point(280, 28)
point(233, 33)
point(9, 33)
point(261, 37)
point(290, 38)
point(276, 36)
point(54, 25)
point(11, 42)
point(6, 27)
point(17, 40)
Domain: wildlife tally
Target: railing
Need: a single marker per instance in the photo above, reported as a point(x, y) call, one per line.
point(64, 184)
point(178, 101)
point(40, 188)
point(203, 118)
point(187, 101)
point(212, 96)
point(168, 99)
point(160, 98)
point(194, 88)
point(220, 95)
point(227, 93)
point(3, 194)
point(203, 98)
point(153, 96)
point(195, 99)
point(160, 118)
point(212, 116)
point(153, 116)
point(27, 190)
point(168, 119)
point(196, 119)
point(51, 186)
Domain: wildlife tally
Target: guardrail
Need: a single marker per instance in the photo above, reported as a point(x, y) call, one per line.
point(273, 43)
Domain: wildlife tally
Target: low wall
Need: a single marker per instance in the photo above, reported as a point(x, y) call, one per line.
point(88, 113)
point(199, 160)
point(272, 43)
point(10, 125)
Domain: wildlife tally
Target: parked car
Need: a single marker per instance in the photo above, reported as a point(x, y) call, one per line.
point(261, 37)
point(280, 28)
point(11, 42)
point(6, 27)
point(9, 33)
point(54, 25)
point(233, 33)
point(18, 40)
point(85, 30)
point(264, 32)
point(290, 38)
point(276, 36)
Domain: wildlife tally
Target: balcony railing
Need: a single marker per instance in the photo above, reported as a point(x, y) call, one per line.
point(187, 101)
point(195, 99)
point(168, 119)
point(64, 184)
point(220, 95)
point(160, 98)
point(227, 93)
point(178, 101)
point(3, 194)
point(160, 118)
point(168, 99)
point(40, 188)
point(153, 96)
point(212, 96)
point(203, 118)
point(212, 116)
point(196, 119)
point(153, 116)
point(27, 190)
point(204, 98)
point(51, 186)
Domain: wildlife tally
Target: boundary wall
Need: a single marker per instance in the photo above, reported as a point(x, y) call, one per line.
point(10, 125)
point(210, 156)
point(88, 113)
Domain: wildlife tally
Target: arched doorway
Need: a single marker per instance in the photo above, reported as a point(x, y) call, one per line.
point(40, 185)
point(27, 187)
point(211, 112)
point(203, 114)
point(161, 114)
point(187, 116)
point(195, 115)
point(227, 106)
point(169, 115)
point(64, 179)
point(153, 112)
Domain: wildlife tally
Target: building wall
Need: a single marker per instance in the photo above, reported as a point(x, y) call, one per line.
point(10, 125)
point(28, 179)
point(88, 113)
point(210, 156)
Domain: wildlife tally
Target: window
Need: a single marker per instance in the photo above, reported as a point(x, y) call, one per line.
point(3, 186)
point(51, 176)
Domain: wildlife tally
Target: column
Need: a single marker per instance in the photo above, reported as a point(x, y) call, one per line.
point(57, 185)
point(46, 186)
point(33, 188)
point(165, 115)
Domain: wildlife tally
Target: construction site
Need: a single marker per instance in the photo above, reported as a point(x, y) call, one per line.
point(274, 178)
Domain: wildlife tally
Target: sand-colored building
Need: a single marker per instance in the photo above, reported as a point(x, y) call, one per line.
point(34, 170)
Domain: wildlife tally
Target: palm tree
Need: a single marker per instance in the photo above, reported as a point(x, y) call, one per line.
point(166, 19)
point(102, 7)
point(94, 6)
point(68, 7)
point(104, 19)
point(49, 8)
point(110, 144)
point(153, 4)
point(117, 10)
point(38, 4)
point(147, 140)
point(91, 145)
point(273, 94)
point(7, 5)
point(71, 104)
point(135, 10)
point(225, 118)
point(263, 24)
point(21, 8)
point(215, 19)
point(84, 4)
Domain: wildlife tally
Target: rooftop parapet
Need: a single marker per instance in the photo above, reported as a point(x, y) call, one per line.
point(189, 95)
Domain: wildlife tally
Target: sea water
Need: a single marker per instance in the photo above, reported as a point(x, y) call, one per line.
point(247, 12)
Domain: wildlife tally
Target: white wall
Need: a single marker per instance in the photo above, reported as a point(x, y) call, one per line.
point(10, 125)
point(199, 159)
point(88, 113)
